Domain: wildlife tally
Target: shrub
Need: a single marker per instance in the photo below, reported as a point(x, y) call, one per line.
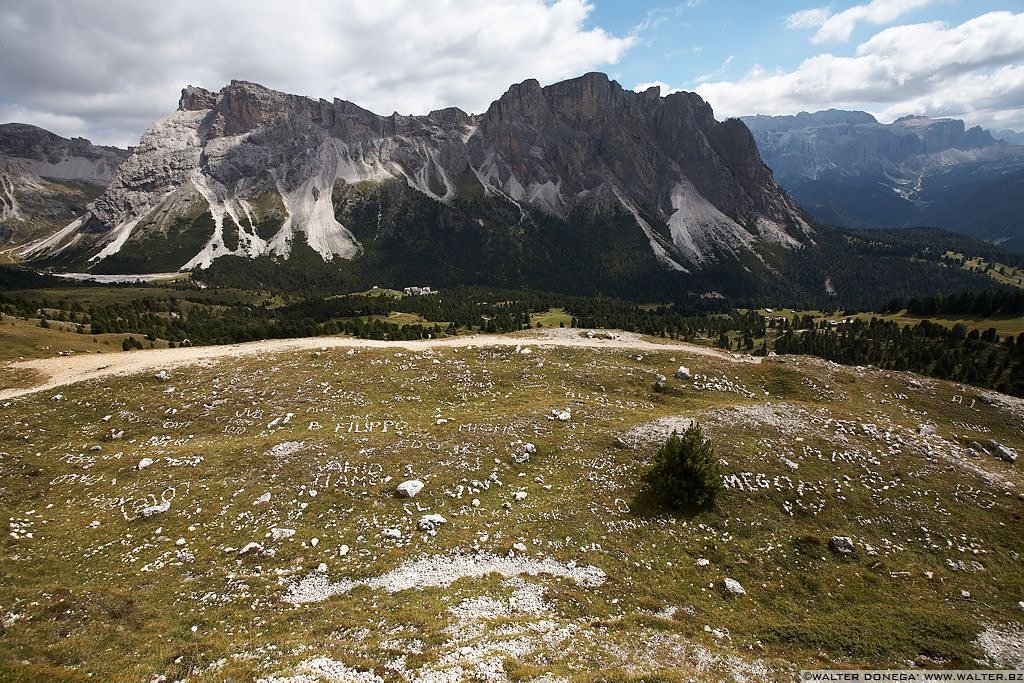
point(685, 475)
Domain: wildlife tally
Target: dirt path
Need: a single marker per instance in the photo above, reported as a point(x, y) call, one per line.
point(66, 370)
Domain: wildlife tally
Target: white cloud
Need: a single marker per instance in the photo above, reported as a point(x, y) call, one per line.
point(973, 70)
point(717, 72)
point(837, 28)
point(808, 18)
point(119, 64)
point(666, 89)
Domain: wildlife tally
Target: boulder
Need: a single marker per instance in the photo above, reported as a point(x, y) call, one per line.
point(926, 430)
point(733, 587)
point(430, 522)
point(1003, 452)
point(683, 372)
point(279, 534)
point(392, 533)
point(841, 544)
point(409, 488)
point(145, 462)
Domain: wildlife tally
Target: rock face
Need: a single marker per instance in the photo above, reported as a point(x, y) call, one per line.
point(579, 167)
point(46, 181)
point(847, 168)
point(48, 155)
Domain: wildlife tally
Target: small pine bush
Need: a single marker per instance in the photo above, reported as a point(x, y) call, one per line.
point(685, 475)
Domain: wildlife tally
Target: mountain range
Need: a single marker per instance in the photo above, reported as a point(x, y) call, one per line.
point(47, 180)
point(580, 186)
point(846, 168)
point(542, 177)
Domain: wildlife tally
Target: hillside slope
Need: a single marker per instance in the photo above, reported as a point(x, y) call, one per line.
point(236, 518)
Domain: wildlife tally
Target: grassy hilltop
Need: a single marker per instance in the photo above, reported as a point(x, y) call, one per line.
point(134, 504)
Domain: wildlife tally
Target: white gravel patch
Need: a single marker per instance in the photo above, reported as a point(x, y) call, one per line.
point(440, 570)
point(321, 669)
point(1003, 645)
point(654, 432)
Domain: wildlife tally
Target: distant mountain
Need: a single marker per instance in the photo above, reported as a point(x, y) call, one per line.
point(47, 180)
point(846, 168)
point(1011, 136)
point(574, 185)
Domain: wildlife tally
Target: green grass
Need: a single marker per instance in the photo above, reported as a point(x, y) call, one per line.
point(553, 317)
point(86, 605)
point(25, 339)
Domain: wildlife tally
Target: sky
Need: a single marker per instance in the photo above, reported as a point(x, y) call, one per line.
point(106, 69)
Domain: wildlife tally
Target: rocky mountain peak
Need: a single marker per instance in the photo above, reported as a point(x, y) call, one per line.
point(194, 98)
point(253, 169)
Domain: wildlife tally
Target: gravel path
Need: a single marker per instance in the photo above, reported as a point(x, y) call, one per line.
point(61, 371)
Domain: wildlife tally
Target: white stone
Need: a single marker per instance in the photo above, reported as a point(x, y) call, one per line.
point(162, 506)
point(519, 548)
point(392, 533)
point(145, 462)
point(279, 534)
point(180, 542)
point(564, 416)
point(265, 498)
point(701, 562)
point(250, 547)
point(926, 430)
point(519, 495)
point(162, 376)
point(430, 522)
point(314, 542)
point(841, 544)
point(476, 502)
point(343, 550)
point(683, 372)
point(733, 587)
point(409, 488)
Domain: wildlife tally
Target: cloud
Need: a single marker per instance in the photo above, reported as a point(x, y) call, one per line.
point(808, 18)
point(717, 72)
point(117, 65)
point(837, 28)
point(973, 70)
point(666, 89)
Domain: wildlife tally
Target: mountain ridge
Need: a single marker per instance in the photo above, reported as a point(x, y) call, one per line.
point(245, 170)
point(46, 180)
point(846, 168)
